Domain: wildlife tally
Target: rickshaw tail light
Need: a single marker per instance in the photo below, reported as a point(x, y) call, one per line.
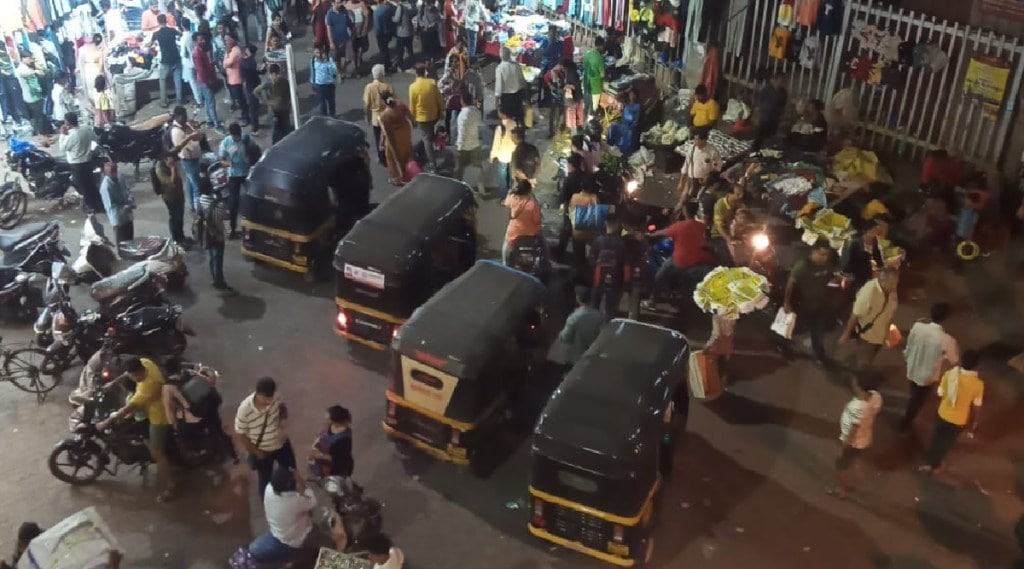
point(391, 410)
point(342, 319)
point(394, 331)
point(538, 513)
point(455, 437)
point(618, 534)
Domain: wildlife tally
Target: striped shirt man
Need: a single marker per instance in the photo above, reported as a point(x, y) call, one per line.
point(215, 213)
point(250, 421)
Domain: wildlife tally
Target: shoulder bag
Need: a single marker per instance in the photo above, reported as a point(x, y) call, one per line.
point(251, 459)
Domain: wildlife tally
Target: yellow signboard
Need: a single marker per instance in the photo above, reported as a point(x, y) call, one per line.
point(986, 79)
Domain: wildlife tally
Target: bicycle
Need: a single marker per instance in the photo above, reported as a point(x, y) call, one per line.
point(23, 367)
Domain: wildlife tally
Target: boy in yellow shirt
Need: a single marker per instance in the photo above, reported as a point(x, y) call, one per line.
point(148, 399)
point(704, 111)
point(961, 391)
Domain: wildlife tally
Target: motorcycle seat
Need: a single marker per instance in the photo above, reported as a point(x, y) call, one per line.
point(141, 249)
point(12, 237)
point(119, 283)
point(147, 316)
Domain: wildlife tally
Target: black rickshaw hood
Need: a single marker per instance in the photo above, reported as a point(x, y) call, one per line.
point(479, 312)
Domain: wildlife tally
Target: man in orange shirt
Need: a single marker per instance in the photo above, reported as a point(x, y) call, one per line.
point(149, 21)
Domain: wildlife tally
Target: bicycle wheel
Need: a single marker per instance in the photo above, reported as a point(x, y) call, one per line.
point(23, 368)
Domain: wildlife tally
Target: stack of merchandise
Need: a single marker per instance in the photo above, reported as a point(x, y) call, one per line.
point(731, 291)
point(828, 225)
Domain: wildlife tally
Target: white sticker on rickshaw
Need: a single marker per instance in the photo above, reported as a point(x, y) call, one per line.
point(367, 277)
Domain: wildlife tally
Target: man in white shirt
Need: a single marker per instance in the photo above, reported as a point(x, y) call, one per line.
point(698, 163)
point(928, 347)
point(76, 144)
point(288, 503)
point(383, 554)
point(467, 143)
point(856, 426)
point(113, 21)
point(509, 86)
point(259, 424)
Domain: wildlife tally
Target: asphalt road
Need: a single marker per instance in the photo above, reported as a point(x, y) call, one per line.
point(749, 474)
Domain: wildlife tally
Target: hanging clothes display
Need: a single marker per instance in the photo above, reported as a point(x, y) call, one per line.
point(807, 12)
point(830, 17)
point(778, 43)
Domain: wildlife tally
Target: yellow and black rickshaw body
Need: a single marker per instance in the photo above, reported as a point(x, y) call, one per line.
point(598, 448)
point(305, 190)
point(412, 244)
point(459, 357)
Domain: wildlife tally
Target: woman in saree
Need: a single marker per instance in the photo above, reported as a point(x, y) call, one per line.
point(396, 137)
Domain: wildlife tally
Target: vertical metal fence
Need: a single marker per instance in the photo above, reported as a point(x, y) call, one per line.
point(929, 110)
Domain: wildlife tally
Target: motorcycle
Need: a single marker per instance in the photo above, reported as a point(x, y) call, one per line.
point(128, 290)
point(89, 453)
point(150, 331)
point(99, 258)
point(529, 254)
point(33, 248)
point(48, 178)
point(124, 144)
point(360, 516)
point(19, 299)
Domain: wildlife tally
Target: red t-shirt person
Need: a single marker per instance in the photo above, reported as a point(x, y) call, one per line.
point(689, 245)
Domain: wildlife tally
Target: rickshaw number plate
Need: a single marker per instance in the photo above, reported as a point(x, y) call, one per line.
point(367, 277)
point(618, 549)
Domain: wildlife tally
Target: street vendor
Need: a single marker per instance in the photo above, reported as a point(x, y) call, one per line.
point(810, 133)
point(625, 133)
point(704, 111)
point(698, 163)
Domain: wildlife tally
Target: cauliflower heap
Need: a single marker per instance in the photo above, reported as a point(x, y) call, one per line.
point(668, 133)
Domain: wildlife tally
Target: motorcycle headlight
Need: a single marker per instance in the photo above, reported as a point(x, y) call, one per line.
point(632, 186)
point(760, 242)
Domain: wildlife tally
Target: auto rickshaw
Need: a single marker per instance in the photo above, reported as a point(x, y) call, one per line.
point(415, 242)
point(603, 443)
point(308, 188)
point(457, 361)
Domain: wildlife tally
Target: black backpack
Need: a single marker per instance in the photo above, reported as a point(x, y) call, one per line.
point(608, 266)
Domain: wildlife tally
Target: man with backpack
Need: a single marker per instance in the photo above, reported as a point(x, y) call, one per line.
point(611, 271)
point(210, 232)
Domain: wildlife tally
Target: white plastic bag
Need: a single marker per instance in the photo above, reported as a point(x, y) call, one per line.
point(784, 323)
point(79, 541)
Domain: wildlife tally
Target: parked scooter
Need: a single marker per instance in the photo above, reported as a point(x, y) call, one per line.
point(99, 258)
point(61, 330)
point(130, 289)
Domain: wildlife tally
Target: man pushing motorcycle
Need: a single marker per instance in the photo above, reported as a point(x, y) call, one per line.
point(149, 382)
